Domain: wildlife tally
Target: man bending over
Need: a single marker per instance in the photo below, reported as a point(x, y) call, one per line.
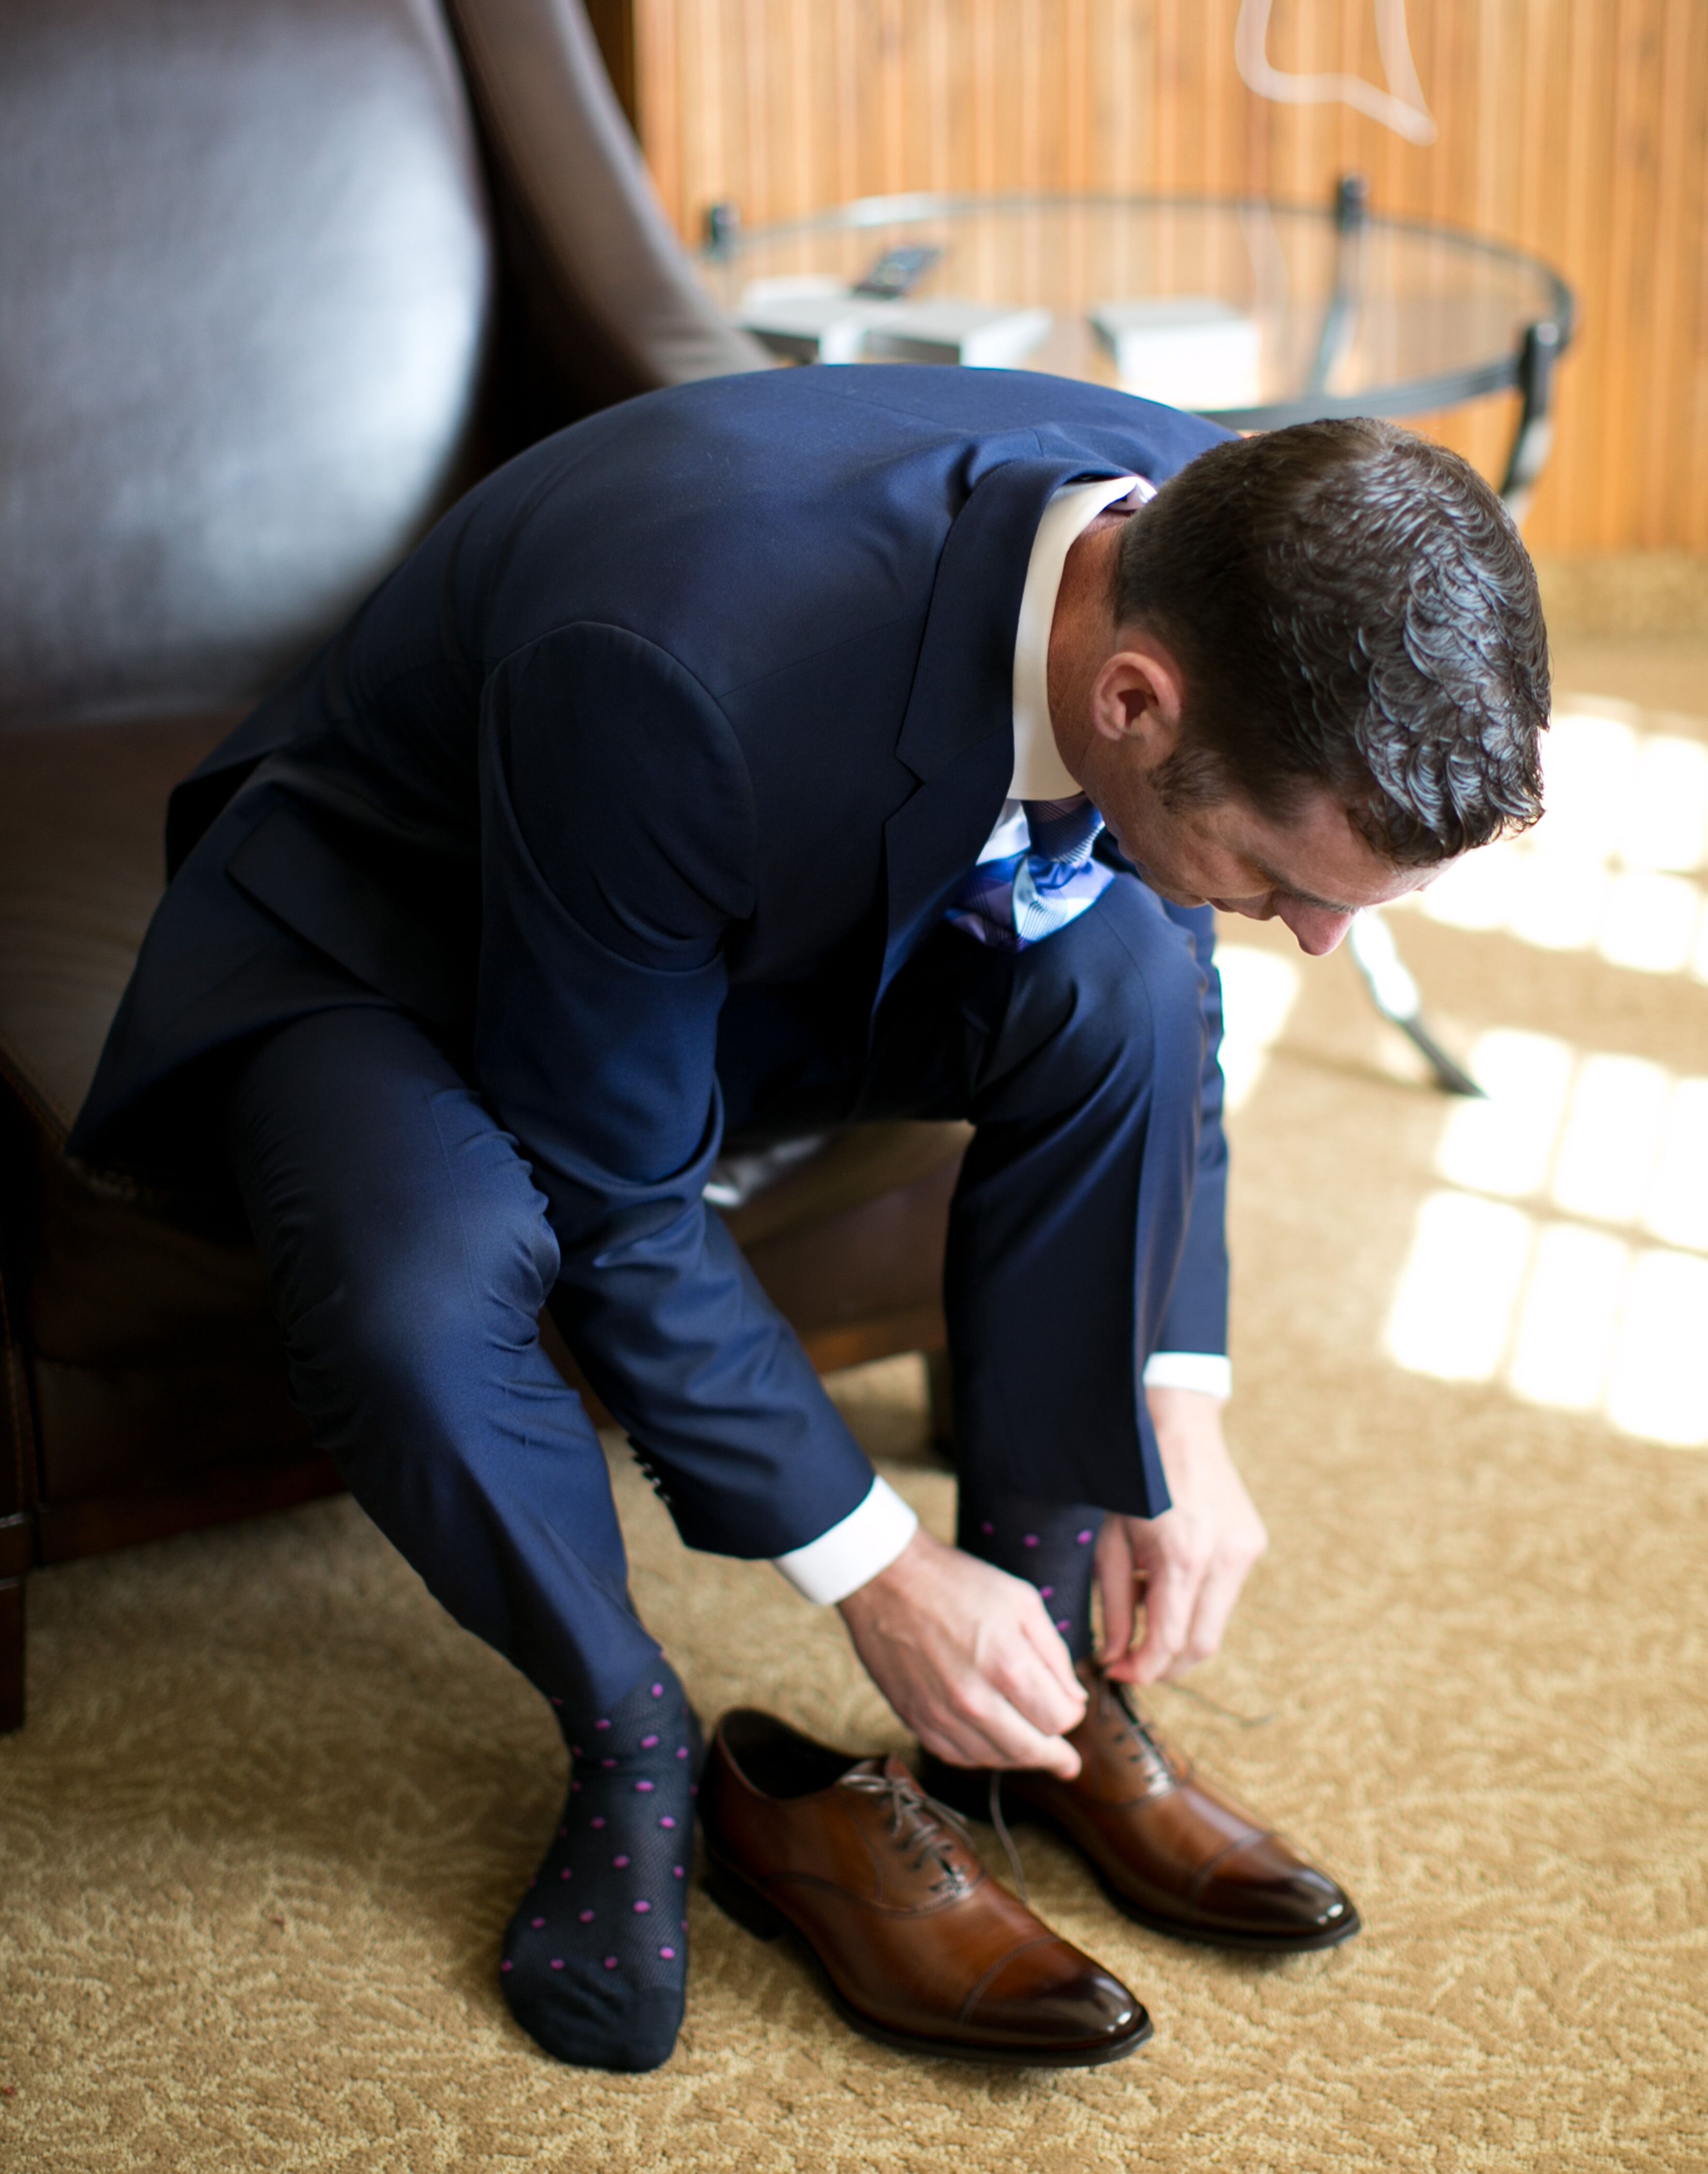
point(756, 759)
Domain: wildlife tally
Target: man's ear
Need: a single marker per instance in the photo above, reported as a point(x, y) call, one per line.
point(1138, 698)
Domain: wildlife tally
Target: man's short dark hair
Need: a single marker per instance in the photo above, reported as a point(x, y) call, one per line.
point(1351, 607)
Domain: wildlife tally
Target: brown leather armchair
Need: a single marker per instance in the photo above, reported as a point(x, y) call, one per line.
point(279, 279)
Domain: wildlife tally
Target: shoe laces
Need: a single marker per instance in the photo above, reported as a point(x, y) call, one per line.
point(930, 1828)
point(1114, 1699)
point(1006, 1839)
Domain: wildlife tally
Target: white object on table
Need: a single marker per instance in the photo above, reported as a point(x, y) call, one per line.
point(1185, 350)
point(807, 319)
point(979, 335)
point(810, 318)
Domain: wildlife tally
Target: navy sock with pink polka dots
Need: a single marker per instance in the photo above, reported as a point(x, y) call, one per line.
point(1051, 1544)
point(595, 1961)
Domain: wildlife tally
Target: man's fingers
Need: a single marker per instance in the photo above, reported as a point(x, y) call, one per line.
point(1049, 1754)
point(1036, 1693)
point(1045, 1688)
point(1045, 1642)
point(1215, 1604)
point(1000, 1735)
point(1114, 1581)
point(967, 1657)
point(1026, 1691)
point(1169, 1599)
point(1014, 1710)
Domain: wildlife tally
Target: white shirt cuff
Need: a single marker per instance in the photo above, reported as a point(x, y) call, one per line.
point(840, 1561)
point(1210, 1375)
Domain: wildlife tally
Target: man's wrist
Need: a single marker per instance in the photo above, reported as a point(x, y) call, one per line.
point(854, 1551)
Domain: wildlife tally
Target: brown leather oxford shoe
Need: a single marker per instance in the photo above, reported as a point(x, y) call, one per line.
point(921, 1948)
point(1170, 1850)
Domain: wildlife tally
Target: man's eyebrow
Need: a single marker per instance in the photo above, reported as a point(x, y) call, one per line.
point(1278, 882)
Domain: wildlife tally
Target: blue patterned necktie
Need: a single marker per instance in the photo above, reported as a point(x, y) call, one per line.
point(1025, 897)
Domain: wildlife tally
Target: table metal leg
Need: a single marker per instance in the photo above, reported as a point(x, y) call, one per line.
point(1395, 996)
point(1341, 313)
point(1534, 438)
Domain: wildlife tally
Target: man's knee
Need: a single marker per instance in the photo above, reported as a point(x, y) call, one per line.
point(404, 1268)
point(428, 1306)
point(1117, 995)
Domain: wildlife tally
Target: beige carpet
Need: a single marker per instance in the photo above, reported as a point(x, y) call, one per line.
point(272, 1808)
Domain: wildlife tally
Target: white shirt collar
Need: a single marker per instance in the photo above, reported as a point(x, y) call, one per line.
point(1039, 773)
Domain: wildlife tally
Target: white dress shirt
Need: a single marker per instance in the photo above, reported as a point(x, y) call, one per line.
point(870, 1538)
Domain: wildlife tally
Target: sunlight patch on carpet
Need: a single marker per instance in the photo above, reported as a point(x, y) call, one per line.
point(1537, 1264)
point(1258, 992)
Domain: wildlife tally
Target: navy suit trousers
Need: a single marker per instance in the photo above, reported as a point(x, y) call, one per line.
point(410, 1254)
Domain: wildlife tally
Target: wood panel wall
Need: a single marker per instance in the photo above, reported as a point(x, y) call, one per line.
point(1576, 129)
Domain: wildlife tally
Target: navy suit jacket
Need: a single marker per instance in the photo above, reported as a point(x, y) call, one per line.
point(714, 688)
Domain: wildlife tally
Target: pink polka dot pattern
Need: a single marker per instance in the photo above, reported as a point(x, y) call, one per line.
point(573, 1973)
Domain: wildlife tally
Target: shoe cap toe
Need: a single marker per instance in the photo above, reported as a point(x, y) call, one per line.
point(1054, 2001)
point(1289, 1901)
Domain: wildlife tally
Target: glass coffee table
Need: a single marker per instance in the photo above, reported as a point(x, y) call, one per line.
point(1253, 313)
point(1266, 313)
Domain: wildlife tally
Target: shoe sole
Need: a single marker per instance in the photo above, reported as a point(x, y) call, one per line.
point(1021, 1814)
point(739, 1899)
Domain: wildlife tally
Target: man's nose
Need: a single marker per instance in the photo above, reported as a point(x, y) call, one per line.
point(1317, 929)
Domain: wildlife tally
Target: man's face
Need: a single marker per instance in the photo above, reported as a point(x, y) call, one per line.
point(1313, 872)
point(1118, 714)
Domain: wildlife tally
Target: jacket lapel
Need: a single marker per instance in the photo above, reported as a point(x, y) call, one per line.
point(957, 736)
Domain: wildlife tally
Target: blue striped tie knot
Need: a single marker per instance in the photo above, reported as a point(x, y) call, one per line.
point(1025, 897)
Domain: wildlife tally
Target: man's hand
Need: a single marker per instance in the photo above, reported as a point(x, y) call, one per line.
point(1188, 1565)
point(969, 1658)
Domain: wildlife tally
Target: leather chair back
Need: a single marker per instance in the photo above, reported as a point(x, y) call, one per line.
point(248, 272)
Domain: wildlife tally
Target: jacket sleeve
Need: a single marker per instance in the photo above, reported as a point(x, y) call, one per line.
point(1196, 1316)
point(618, 849)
